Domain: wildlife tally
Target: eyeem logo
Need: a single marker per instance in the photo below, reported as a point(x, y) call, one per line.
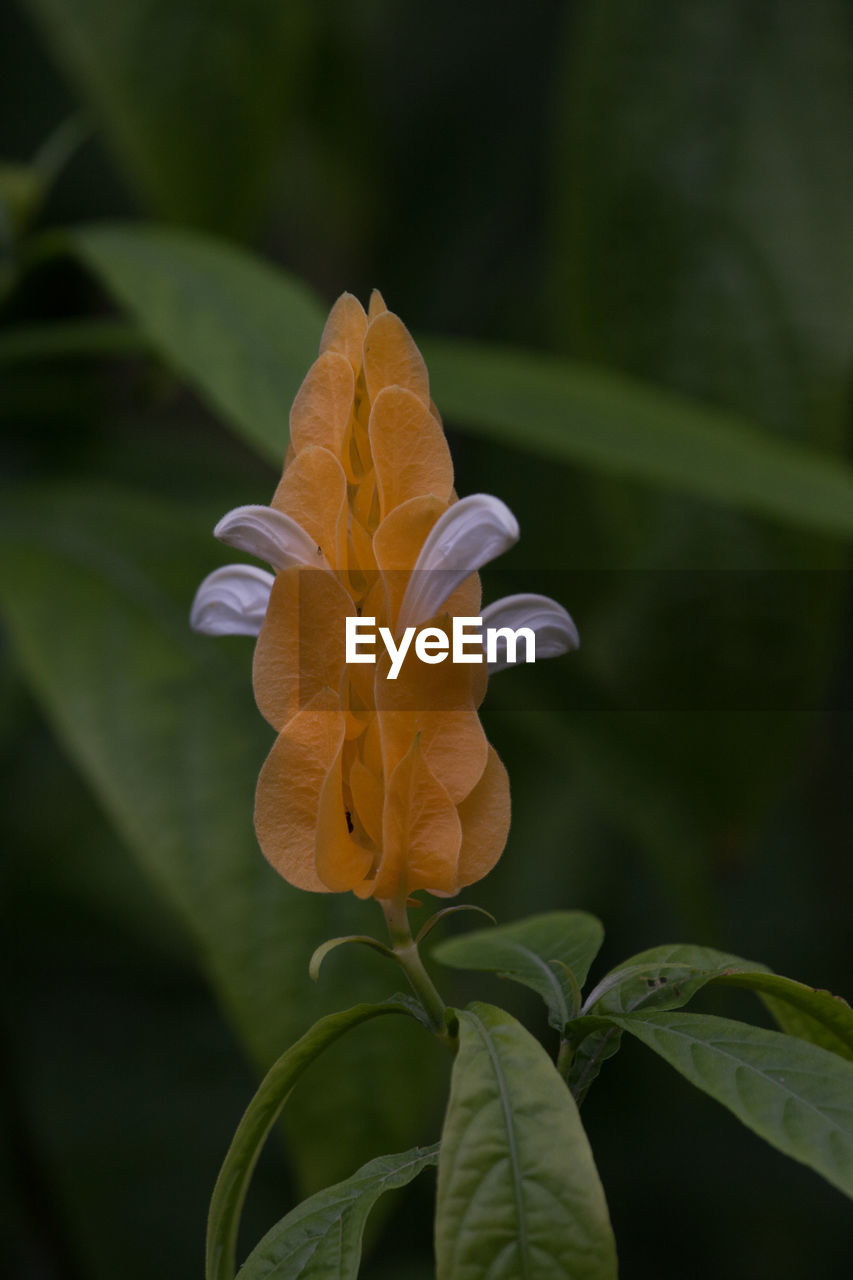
point(432, 645)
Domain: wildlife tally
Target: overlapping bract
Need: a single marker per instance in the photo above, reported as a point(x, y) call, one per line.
point(376, 786)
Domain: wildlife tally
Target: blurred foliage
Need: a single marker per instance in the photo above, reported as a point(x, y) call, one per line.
point(193, 98)
point(641, 216)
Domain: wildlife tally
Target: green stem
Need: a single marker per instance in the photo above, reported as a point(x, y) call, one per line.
point(408, 957)
point(564, 1059)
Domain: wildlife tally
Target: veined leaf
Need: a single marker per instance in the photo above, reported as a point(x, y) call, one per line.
point(321, 1238)
point(595, 1042)
point(550, 953)
point(661, 978)
point(665, 977)
point(795, 1095)
point(668, 977)
point(518, 1191)
point(802, 1011)
point(232, 1184)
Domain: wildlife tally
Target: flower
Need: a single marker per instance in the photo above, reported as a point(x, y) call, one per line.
point(377, 786)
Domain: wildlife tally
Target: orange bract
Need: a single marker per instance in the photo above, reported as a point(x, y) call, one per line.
point(373, 786)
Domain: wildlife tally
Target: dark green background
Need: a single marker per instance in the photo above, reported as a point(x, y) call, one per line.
point(663, 191)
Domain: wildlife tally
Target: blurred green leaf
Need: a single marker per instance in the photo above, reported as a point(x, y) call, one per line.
point(194, 97)
point(233, 1182)
point(95, 589)
point(703, 228)
point(244, 335)
point(321, 1237)
point(518, 1191)
point(24, 187)
point(704, 190)
point(21, 193)
point(565, 411)
point(537, 952)
point(795, 1095)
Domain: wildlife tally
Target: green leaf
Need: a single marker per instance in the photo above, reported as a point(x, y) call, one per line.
point(366, 940)
point(702, 244)
point(241, 333)
point(598, 1042)
point(570, 413)
point(795, 1095)
point(321, 1237)
point(667, 977)
point(663, 977)
point(233, 1182)
point(805, 1012)
point(95, 588)
point(24, 187)
point(21, 194)
point(518, 1191)
point(193, 96)
point(428, 926)
point(704, 225)
point(536, 952)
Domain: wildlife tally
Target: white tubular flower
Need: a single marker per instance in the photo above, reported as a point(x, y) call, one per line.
point(272, 536)
point(554, 629)
point(470, 533)
point(232, 601)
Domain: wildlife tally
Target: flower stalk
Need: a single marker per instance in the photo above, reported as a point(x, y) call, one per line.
point(407, 955)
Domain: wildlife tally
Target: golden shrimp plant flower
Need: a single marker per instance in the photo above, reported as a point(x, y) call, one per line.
point(374, 785)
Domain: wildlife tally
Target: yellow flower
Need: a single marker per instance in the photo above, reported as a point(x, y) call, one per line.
point(376, 785)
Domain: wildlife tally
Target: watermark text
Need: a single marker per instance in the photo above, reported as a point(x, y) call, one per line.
point(433, 645)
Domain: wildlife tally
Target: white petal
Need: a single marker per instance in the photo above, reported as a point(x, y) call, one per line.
point(272, 536)
point(469, 534)
point(232, 601)
point(555, 632)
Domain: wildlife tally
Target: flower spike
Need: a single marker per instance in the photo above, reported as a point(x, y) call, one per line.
point(380, 787)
